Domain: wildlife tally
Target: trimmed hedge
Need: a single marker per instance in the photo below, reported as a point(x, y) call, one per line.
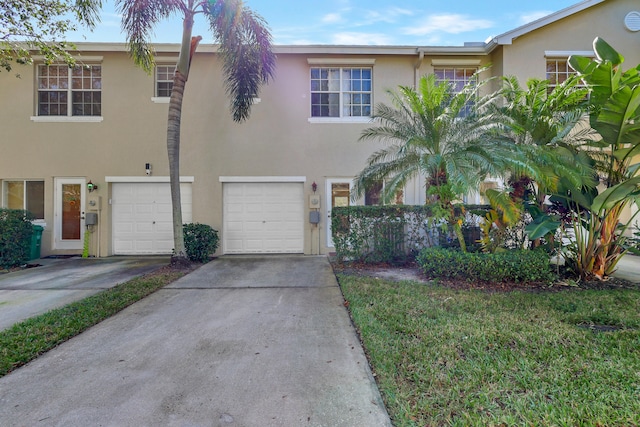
point(16, 231)
point(520, 266)
point(200, 241)
point(390, 234)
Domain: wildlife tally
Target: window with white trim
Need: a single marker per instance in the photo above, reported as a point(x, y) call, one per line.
point(558, 71)
point(458, 78)
point(164, 80)
point(340, 92)
point(69, 92)
point(24, 194)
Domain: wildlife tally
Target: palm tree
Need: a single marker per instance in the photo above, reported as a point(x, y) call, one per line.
point(549, 125)
point(248, 63)
point(431, 131)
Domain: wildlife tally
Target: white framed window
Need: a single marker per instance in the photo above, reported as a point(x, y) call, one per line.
point(558, 71)
point(69, 92)
point(341, 92)
point(458, 78)
point(24, 194)
point(164, 80)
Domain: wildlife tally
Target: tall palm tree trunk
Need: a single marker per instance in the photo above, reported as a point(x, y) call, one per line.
point(173, 150)
point(187, 50)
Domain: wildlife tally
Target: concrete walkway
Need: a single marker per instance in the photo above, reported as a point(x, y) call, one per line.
point(58, 282)
point(628, 268)
point(242, 341)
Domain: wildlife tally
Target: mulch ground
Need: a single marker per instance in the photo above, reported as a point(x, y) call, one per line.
point(411, 271)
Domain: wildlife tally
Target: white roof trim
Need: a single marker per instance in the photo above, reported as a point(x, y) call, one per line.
point(567, 53)
point(263, 179)
point(454, 62)
point(341, 61)
point(507, 38)
point(135, 179)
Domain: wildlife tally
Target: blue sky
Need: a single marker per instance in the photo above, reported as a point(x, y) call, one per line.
point(360, 22)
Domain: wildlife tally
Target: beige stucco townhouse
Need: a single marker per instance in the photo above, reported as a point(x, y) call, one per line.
point(255, 182)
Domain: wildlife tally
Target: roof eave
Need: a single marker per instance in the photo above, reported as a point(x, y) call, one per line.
point(508, 37)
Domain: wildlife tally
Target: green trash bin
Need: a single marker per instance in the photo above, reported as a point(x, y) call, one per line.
point(36, 241)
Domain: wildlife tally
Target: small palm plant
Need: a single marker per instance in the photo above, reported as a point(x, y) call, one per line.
point(451, 138)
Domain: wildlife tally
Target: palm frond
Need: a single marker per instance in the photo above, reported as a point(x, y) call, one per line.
point(139, 18)
point(246, 51)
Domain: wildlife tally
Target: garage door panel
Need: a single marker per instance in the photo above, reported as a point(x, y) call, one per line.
point(263, 218)
point(142, 217)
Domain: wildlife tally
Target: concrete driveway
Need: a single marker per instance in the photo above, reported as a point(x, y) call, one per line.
point(242, 341)
point(58, 282)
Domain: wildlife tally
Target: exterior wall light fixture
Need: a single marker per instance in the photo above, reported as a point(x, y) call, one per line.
point(314, 186)
point(91, 186)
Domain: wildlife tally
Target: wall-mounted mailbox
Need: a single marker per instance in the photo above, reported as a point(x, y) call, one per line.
point(314, 201)
point(90, 218)
point(314, 217)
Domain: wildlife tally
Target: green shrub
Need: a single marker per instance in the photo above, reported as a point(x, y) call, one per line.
point(16, 230)
point(200, 241)
point(521, 266)
point(392, 233)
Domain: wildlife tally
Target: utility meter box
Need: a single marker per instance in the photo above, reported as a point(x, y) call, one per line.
point(90, 218)
point(314, 217)
point(94, 203)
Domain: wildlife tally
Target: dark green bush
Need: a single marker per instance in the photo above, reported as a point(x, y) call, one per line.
point(200, 241)
point(520, 266)
point(391, 234)
point(16, 230)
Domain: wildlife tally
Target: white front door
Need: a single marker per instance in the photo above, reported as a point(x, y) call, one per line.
point(338, 194)
point(69, 213)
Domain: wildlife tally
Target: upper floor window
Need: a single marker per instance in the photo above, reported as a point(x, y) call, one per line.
point(164, 80)
point(69, 92)
point(558, 71)
point(27, 195)
point(341, 92)
point(458, 78)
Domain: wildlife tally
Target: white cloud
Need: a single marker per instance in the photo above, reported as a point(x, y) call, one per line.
point(533, 16)
point(331, 18)
point(350, 38)
point(389, 15)
point(448, 23)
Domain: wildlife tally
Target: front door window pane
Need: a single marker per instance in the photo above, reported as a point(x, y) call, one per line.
point(71, 202)
point(339, 195)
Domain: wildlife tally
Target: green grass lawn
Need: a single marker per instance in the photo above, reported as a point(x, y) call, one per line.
point(474, 358)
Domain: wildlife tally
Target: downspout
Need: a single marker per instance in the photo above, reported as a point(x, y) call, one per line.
point(416, 68)
point(416, 77)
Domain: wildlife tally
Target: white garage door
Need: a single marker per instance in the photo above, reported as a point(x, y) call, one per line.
point(142, 220)
point(263, 217)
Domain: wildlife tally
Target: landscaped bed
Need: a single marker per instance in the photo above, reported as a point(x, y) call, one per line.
point(447, 354)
